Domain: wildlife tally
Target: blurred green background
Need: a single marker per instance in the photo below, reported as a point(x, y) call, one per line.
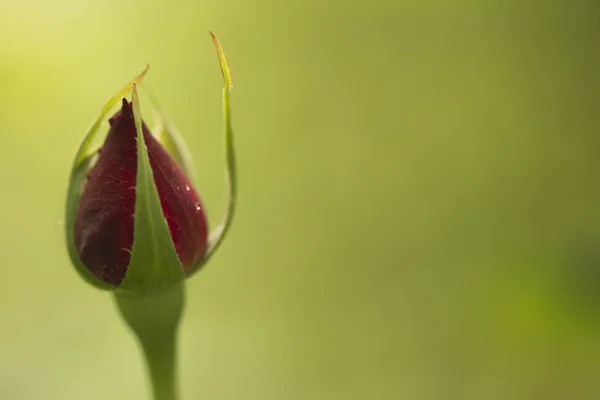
point(419, 212)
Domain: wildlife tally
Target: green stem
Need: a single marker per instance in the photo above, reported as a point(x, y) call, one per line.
point(154, 319)
point(161, 358)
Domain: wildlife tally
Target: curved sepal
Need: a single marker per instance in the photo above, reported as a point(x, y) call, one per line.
point(81, 165)
point(218, 234)
point(154, 266)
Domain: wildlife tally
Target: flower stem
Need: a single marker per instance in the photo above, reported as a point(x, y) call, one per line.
point(154, 319)
point(161, 358)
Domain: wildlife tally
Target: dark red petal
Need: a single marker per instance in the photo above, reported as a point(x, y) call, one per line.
point(104, 222)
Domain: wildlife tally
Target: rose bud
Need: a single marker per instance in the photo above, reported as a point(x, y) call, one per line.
point(134, 220)
point(104, 221)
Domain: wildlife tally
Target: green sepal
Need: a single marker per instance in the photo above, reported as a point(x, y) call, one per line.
point(154, 266)
point(217, 236)
point(78, 176)
point(168, 135)
point(81, 165)
point(175, 144)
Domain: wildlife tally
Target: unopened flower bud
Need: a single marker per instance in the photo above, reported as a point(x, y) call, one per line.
point(104, 226)
point(134, 222)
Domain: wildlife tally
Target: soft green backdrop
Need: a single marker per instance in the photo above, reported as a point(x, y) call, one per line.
point(419, 211)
